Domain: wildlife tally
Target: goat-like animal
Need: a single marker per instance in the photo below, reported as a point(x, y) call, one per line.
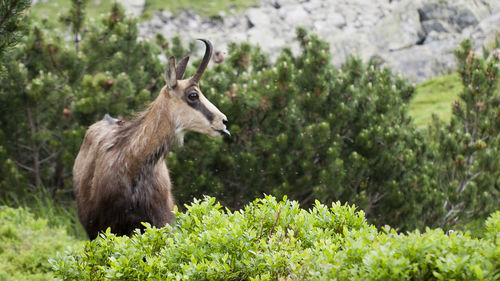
point(120, 176)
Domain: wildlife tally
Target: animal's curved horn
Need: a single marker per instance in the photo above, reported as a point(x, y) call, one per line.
point(206, 59)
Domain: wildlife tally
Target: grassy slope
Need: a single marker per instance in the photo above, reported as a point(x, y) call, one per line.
point(208, 8)
point(27, 244)
point(53, 10)
point(435, 96)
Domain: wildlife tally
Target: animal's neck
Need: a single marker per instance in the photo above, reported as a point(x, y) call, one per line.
point(149, 136)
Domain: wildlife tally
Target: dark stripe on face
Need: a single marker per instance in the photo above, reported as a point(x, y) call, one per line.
point(203, 109)
point(197, 104)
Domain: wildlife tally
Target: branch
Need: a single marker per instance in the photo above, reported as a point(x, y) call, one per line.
point(452, 211)
point(275, 221)
point(50, 157)
point(29, 148)
point(461, 187)
point(9, 13)
point(307, 199)
point(54, 64)
point(24, 166)
point(374, 201)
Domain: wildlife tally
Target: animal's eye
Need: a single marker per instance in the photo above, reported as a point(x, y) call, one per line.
point(193, 96)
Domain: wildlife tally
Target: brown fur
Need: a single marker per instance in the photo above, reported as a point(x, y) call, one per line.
point(120, 176)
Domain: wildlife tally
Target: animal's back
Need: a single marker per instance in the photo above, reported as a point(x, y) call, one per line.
point(108, 196)
point(84, 169)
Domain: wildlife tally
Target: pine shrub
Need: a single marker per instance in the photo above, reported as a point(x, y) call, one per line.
point(301, 127)
point(305, 129)
point(467, 148)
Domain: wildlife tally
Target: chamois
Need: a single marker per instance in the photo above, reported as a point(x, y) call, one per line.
point(120, 177)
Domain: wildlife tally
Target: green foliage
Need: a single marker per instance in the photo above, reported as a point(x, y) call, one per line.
point(11, 13)
point(76, 18)
point(52, 92)
point(270, 240)
point(467, 148)
point(301, 127)
point(57, 213)
point(305, 129)
point(348, 127)
point(56, 13)
point(26, 244)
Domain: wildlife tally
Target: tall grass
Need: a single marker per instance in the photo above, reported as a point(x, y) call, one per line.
point(57, 212)
point(27, 243)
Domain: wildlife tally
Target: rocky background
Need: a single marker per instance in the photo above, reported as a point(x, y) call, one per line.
point(414, 37)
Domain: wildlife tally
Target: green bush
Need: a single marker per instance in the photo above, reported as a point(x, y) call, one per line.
point(467, 150)
point(301, 127)
point(52, 91)
point(305, 129)
point(270, 240)
point(26, 244)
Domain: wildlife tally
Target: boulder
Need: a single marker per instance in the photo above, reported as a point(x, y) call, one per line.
point(295, 15)
point(257, 17)
point(415, 37)
point(133, 7)
point(400, 29)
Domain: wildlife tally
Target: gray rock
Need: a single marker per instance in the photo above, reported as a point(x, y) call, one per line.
point(295, 16)
point(400, 29)
point(414, 37)
point(266, 39)
point(133, 7)
point(257, 17)
point(34, 2)
point(459, 16)
point(486, 30)
point(165, 16)
point(420, 62)
point(335, 19)
point(436, 26)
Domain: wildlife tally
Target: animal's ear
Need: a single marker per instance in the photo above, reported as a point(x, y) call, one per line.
point(181, 68)
point(170, 75)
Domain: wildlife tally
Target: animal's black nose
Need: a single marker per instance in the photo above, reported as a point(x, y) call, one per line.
point(225, 122)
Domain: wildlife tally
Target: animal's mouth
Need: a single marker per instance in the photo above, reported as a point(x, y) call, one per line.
point(224, 132)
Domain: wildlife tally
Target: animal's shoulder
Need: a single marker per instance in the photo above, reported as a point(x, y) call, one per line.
point(111, 120)
point(103, 132)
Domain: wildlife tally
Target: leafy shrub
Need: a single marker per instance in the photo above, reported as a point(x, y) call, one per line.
point(26, 244)
point(270, 240)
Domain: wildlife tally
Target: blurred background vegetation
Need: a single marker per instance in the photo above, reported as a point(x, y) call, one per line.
point(301, 127)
